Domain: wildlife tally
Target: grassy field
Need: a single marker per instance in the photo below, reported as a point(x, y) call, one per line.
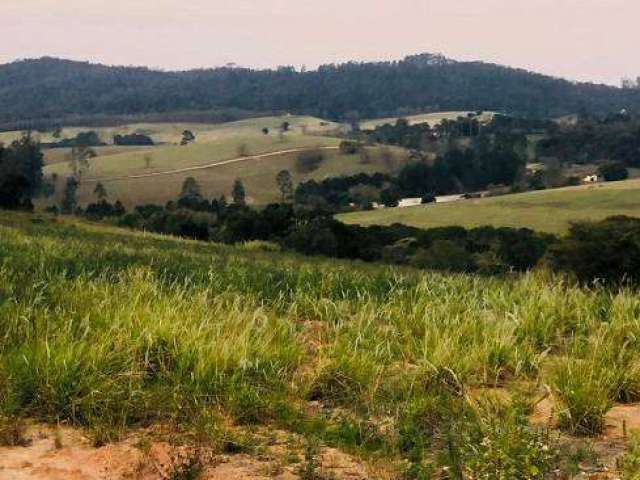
point(417, 373)
point(258, 174)
point(430, 118)
point(62, 155)
point(214, 144)
point(545, 210)
point(205, 132)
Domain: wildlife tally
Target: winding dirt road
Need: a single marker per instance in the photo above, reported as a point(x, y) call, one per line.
point(204, 167)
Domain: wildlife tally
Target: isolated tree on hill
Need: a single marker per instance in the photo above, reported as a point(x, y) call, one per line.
point(285, 126)
point(100, 192)
point(79, 160)
point(20, 173)
point(238, 193)
point(69, 200)
point(187, 137)
point(285, 184)
point(265, 130)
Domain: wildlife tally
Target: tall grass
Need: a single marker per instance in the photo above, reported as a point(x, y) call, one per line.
point(107, 328)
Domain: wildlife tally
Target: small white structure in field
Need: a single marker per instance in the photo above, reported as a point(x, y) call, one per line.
point(449, 198)
point(410, 202)
point(591, 179)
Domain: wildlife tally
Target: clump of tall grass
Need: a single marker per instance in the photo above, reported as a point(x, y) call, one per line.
point(583, 388)
point(630, 463)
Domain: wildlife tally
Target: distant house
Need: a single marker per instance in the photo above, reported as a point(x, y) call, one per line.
point(410, 202)
point(591, 179)
point(449, 198)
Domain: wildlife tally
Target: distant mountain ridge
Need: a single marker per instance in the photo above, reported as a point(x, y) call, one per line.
point(54, 90)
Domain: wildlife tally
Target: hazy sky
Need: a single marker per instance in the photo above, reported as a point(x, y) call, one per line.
point(594, 40)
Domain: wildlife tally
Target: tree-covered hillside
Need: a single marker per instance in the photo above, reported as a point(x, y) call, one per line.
point(59, 90)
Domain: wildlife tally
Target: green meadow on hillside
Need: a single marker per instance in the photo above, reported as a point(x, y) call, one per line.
point(424, 373)
point(161, 165)
point(544, 210)
point(172, 132)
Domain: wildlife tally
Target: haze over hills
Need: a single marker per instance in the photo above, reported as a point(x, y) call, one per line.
point(49, 91)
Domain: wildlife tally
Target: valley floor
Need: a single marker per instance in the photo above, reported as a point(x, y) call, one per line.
point(545, 210)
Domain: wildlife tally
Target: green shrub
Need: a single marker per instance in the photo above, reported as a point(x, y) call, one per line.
point(614, 171)
point(444, 255)
point(630, 464)
point(607, 251)
point(309, 160)
point(496, 443)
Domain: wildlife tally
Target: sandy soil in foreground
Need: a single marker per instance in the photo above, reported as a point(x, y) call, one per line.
point(65, 454)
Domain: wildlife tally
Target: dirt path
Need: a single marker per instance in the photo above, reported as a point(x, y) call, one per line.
point(204, 167)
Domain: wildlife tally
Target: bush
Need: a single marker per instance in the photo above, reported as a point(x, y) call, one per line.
point(444, 255)
point(132, 140)
point(607, 251)
point(349, 147)
point(309, 160)
point(614, 171)
point(499, 444)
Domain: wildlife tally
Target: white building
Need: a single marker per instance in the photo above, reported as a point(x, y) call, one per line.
point(410, 202)
point(591, 179)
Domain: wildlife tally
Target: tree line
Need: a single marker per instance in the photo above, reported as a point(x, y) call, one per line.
point(606, 251)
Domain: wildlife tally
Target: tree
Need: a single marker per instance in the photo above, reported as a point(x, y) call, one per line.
point(238, 193)
point(100, 192)
point(353, 118)
point(69, 199)
point(265, 131)
point(79, 160)
point(187, 137)
point(285, 184)
point(364, 195)
point(285, 126)
point(20, 173)
point(190, 188)
point(614, 171)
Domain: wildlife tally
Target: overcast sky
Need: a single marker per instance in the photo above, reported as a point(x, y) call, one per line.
point(595, 40)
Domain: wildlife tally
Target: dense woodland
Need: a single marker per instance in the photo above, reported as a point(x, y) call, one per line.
point(591, 139)
point(61, 91)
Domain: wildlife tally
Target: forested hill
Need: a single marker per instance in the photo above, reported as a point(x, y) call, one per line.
point(56, 89)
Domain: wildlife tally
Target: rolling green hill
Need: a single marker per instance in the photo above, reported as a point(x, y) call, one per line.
point(545, 210)
point(220, 154)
